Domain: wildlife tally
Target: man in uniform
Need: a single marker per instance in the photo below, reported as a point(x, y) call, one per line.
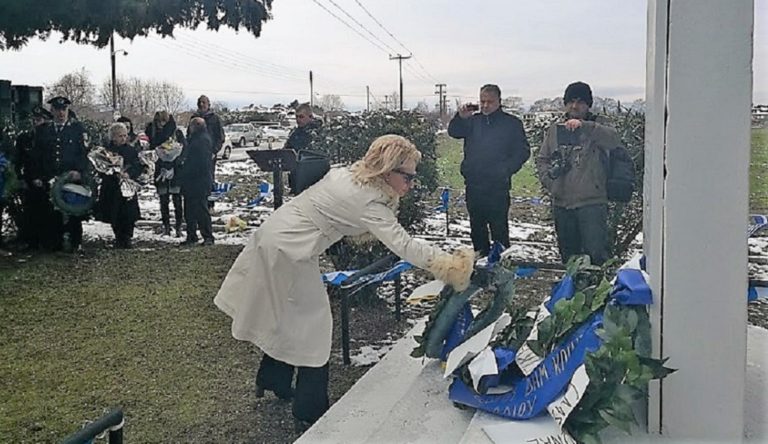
point(25, 144)
point(60, 148)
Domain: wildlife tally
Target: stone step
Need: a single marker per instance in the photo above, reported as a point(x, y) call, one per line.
point(401, 399)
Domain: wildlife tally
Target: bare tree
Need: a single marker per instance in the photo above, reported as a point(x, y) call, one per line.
point(139, 97)
point(330, 102)
point(422, 107)
point(77, 87)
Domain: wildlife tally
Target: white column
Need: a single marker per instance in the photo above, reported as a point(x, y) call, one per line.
point(699, 89)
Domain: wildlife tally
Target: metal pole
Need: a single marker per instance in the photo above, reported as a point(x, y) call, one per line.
point(311, 91)
point(367, 98)
point(345, 327)
point(400, 60)
point(277, 179)
point(114, 77)
point(398, 289)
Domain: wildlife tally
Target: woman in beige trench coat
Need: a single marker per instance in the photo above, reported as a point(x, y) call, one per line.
point(274, 292)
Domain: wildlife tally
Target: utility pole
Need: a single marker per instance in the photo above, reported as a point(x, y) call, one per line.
point(112, 55)
point(386, 102)
point(441, 92)
point(367, 98)
point(400, 59)
point(114, 76)
point(311, 91)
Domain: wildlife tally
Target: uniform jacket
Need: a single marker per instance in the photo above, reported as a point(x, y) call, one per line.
point(495, 148)
point(274, 292)
point(584, 183)
point(195, 178)
point(58, 151)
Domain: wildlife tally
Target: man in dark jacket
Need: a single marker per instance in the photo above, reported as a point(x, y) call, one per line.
point(60, 148)
point(574, 173)
point(215, 131)
point(196, 182)
point(301, 137)
point(495, 148)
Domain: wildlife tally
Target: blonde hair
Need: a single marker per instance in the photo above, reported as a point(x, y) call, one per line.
point(115, 128)
point(385, 154)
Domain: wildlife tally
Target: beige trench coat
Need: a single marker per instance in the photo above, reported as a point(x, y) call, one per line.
point(274, 292)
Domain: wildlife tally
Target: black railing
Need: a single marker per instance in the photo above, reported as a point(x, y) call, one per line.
point(112, 422)
point(348, 289)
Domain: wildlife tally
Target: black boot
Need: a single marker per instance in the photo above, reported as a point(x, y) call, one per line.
point(166, 229)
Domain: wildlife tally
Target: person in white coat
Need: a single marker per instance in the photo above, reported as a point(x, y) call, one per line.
point(274, 292)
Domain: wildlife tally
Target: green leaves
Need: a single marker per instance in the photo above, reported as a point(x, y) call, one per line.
point(91, 22)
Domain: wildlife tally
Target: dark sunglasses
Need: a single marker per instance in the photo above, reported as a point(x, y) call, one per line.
point(407, 176)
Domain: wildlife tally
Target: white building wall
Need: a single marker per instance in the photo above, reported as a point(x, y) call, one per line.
point(699, 91)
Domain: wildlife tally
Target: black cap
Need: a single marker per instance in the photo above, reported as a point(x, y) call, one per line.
point(40, 112)
point(578, 90)
point(59, 102)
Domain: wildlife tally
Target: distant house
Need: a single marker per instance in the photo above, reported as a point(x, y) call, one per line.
point(532, 118)
point(759, 115)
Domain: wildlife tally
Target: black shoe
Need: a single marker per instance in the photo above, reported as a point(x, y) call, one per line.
point(166, 230)
point(190, 241)
point(178, 231)
point(208, 242)
point(301, 426)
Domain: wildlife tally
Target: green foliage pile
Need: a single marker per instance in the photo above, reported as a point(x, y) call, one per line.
point(619, 371)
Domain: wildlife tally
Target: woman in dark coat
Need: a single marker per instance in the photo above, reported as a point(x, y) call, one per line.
point(119, 211)
point(162, 133)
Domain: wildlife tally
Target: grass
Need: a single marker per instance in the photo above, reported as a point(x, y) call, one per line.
point(83, 334)
point(449, 156)
point(758, 172)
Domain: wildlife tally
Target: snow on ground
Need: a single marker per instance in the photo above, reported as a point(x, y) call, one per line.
point(530, 241)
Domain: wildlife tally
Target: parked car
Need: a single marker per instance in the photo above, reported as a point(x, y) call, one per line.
point(226, 148)
point(242, 134)
point(274, 132)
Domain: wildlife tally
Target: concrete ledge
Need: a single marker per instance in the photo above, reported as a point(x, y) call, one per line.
point(400, 399)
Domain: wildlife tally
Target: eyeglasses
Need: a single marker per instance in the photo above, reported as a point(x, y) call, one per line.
point(407, 176)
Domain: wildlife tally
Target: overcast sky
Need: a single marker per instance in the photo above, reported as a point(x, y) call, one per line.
point(531, 49)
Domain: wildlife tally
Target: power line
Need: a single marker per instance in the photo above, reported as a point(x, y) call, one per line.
point(362, 26)
point(350, 27)
point(231, 64)
point(261, 64)
point(395, 39)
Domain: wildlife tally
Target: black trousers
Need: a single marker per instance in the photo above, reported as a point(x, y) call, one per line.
point(488, 210)
point(582, 230)
point(165, 209)
point(73, 226)
point(123, 233)
point(310, 399)
point(43, 222)
point(197, 216)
